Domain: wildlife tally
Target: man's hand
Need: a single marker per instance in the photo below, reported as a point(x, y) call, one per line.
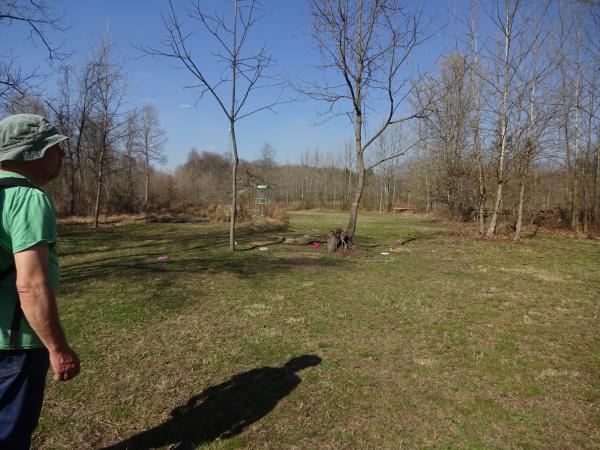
point(64, 363)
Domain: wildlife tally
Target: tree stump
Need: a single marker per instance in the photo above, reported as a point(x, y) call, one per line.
point(337, 239)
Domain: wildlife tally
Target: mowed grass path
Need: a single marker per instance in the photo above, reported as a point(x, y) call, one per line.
point(452, 343)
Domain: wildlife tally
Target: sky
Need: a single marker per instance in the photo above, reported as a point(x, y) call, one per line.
point(191, 122)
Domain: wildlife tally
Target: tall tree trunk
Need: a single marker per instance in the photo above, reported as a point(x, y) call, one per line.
point(69, 173)
point(495, 212)
point(576, 197)
point(387, 194)
point(584, 193)
point(302, 205)
point(597, 183)
point(360, 165)
point(381, 196)
point(588, 196)
point(394, 191)
point(74, 192)
point(481, 198)
point(476, 121)
point(147, 183)
point(503, 125)
point(520, 210)
point(234, 150)
point(80, 182)
point(99, 187)
point(234, 168)
point(351, 228)
point(480, 179)
point(529, 150)
point(570, 186)
point(130, 176)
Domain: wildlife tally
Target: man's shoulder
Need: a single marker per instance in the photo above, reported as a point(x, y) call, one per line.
point(19, 186)
point(20, 199)
point(23, 200)
point(16, 183)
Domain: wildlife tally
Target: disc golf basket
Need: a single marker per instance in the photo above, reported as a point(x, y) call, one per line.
point(262, 197)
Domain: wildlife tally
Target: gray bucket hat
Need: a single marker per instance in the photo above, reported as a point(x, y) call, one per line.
point(24, 137)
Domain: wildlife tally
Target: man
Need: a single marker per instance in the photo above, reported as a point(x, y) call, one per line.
point(31, 337)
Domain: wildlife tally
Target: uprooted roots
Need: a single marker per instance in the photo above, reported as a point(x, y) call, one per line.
point(337, 239)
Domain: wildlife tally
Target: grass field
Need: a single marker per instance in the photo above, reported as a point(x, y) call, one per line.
point(453, 342)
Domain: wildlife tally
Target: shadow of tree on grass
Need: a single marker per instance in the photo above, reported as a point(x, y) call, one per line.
point(127, 268)
point(124, 255)
point(415, 237)
point(225, 410)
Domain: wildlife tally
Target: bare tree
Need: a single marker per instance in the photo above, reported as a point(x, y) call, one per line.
point(84, 106)
point(365, 46)
point(131, 148)
point(248, 70)
point(504, 18)
point(65, 118)
point(109, 93)
point(387, 145)
point(151, 145)
point(449, 122)
point(575, 98)
point(476, 90)
point(266, 163)
point(39, 21)
point(534, 72)
point(267, 155)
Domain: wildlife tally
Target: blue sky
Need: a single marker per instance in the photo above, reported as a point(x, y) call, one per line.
point(293, 129)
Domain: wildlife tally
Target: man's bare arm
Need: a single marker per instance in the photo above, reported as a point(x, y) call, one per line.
point(39, 307)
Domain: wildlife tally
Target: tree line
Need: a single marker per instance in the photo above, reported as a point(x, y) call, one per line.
point(504, 131)
point(109, 156)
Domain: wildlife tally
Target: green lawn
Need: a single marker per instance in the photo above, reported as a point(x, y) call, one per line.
point(453, 342)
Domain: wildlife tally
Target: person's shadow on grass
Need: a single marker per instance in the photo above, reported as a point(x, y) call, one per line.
point(223, 411)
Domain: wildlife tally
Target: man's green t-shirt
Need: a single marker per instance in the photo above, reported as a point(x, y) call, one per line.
point(27, 218)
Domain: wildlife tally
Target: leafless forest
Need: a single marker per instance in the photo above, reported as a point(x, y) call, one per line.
point(502, 131)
